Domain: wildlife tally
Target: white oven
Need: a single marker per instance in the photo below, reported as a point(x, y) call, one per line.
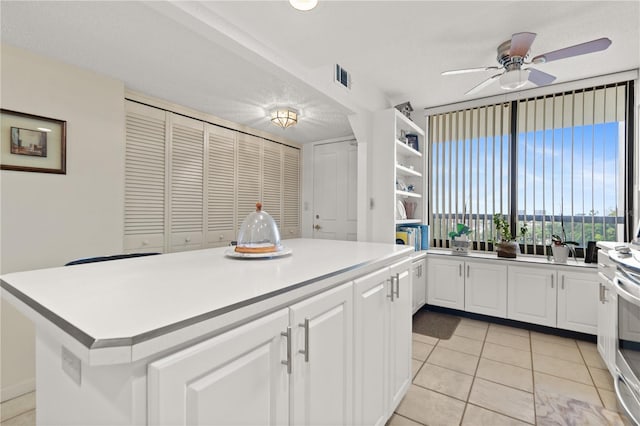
point(627, 357)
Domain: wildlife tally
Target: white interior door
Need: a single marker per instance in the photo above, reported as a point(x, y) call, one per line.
point(334, 191)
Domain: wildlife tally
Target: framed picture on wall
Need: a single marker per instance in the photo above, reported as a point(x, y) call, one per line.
point(31, 143)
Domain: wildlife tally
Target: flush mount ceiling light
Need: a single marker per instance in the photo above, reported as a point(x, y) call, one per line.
point(514, 79)
point(284, 117)
point(303, 4)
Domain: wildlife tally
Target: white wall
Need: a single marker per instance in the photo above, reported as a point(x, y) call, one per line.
point(47, 219)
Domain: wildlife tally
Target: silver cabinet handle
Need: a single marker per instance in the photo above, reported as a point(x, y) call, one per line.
point(390, 296)
point(600, 293)
point(305, 351)
point(552, 281)
point(468, 271)
point(287, 362)
point(397, 277)
point(562, 284)
point(460, 269)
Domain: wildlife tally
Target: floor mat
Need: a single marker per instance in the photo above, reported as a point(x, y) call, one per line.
point(435, 324)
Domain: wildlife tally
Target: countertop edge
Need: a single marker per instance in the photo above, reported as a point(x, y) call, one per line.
point(92, 343)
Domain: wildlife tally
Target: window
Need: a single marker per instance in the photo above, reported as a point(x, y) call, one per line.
point(561, 164)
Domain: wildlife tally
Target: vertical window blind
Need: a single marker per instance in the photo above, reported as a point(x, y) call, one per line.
point(557, 163)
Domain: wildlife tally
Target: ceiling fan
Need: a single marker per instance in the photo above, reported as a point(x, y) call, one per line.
point(512, 57)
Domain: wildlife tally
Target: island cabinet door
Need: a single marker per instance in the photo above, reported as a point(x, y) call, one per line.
point(371, 358)
point(322, 371)
point(235, 378)
point(531, 295)
point(400, 334)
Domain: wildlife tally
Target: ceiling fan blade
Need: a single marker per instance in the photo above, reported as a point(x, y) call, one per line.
point(540, 78)
point(578, 49)
point(521, 43)
point(483, 84)
point(468, 70)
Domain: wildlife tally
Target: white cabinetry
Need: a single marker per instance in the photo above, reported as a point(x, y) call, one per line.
point(564, 299)
point(445, 282)
point(382, 343)
point(474, 286)
point(419, 284)
point(186, 183)
point(298, 365)
point(221, 186)
point(144, 182)
point(396, 166)
point(578, 301)
point(189, 184)
point(607, 312)
point(532, 295)
point(485, 289)
point(234, 378)
point(241, 376)
point(322, 354)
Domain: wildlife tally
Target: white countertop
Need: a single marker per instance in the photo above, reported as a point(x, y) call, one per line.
point(522, 258)
point(127, 301)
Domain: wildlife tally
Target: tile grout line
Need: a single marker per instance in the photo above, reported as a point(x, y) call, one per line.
point(473, 379)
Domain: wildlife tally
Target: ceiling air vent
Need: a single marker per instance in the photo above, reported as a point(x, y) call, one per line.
point(342, 77)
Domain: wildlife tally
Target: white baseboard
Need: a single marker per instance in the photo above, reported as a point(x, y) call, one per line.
point(15, 390)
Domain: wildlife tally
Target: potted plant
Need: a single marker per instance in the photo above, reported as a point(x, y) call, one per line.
point(507, 245)
point(561, 248)
point(459, 239)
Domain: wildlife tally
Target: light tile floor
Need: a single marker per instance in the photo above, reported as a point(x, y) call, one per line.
point(486, 374)
point(490, 374)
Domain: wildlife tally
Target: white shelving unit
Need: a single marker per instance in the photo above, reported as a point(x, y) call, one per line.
point(398, 174)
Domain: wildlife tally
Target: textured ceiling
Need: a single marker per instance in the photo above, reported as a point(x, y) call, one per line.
point(238, 59)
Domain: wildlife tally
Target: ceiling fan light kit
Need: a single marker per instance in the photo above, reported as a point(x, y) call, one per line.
point(512, 56)
point(515, 79)
point(284, 117)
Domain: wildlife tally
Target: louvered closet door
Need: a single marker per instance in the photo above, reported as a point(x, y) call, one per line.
point(272, 180)
point(186, 184)
point(291, 192)
point(248, 175)
point(144, 194)
point(221, 186)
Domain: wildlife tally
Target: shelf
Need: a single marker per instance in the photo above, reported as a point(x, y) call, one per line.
point(406, 149)
point(407, 122)
point(408, 221)
point(408, 194)
point(407, 171)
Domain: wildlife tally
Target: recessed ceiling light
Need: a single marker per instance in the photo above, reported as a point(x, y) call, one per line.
point(303, 4)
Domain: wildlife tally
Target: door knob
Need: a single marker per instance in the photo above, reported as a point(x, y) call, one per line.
point(317, 227)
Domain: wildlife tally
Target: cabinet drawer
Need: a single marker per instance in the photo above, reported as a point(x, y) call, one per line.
point(290, 232)
point(143, 242)
point(220, 238)
point(181, 239)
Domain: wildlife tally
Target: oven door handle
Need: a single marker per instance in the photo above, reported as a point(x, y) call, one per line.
point(620, 283)
point(621, 400)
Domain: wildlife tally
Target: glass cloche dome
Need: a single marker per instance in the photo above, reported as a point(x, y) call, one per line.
point(258, 233)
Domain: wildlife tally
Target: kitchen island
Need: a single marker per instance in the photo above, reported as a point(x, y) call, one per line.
point(203, 338)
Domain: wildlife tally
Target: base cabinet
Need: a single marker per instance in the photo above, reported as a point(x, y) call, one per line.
point(419, 284)
point(322, 359)
point(532, 295)
point(578, 301)
point(382, 302)
point(298, 365)
point(485, 289)
point(235, 378)
point(445, 283)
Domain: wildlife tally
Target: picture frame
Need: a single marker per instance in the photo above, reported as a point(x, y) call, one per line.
point(32, 143)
